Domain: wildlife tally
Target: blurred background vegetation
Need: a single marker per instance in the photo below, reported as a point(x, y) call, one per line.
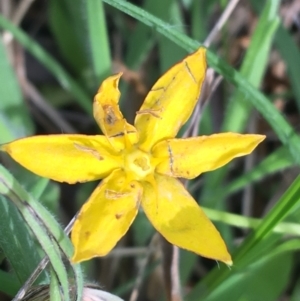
point(53, 56)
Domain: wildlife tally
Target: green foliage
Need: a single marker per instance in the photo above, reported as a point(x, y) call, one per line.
point(85, 33)
point(14, 119)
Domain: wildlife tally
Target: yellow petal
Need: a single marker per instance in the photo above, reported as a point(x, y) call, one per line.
point(171, 100)
point(106, 216)
point(108, 115)
point(187, 158)
point(65, 158)
point(177, 216)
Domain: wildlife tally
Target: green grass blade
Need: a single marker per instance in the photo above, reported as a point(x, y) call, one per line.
point(57, 232)
point(200, 14)
point(16, 241)
point(88, 35)
point(63, 240)
point(253, 66)
point(275, 162)
point(59, 236)
point(14, 117)
point(291, 56)
point(249, 222)
point(98, 39)
point(281, 249)
point(168, 52)
point(283, 207)
point(61, 14)
point(55, 293)
point(283, 130)
point(268, 274)
point(137, 52)
point(14, 192)
point(50, 63)
point(295, 296)
point(8, 283)
point(289, 51)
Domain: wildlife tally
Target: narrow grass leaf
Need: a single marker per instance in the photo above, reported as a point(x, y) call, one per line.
point(50, 63)
point(267, 250)
point(14, 193)
point(16, 241)
point(254, 66)
point(14, 117)
point(295, 295)
point(285, 205)
point(9, 284)
point(68, 38)
point(269, 276)
point(55, 292)
point(199, 13)
point(145, 36)
point(277, 161)
point(291, 55)
point(239, 221)
point(168, 52)
point(55, 230)
point(99, 48)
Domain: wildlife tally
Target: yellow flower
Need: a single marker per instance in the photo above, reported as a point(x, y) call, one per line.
point(139, 165)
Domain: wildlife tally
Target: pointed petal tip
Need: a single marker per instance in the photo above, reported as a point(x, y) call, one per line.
point(2, 147)
point(228, 263)
point(261, 137)
point(227, 259)
point(257, 139)
point(111, 80)
point(5, 147)
point(200, 50)
point(198, 55)
point(223, 256)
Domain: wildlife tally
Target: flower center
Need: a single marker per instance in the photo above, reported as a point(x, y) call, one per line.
point(138, 164)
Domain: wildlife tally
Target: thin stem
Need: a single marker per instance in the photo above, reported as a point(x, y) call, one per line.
point(222, 20)
point(41, 266)
point(175, 277)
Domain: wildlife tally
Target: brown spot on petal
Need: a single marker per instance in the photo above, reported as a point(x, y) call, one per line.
point(118, 215)
point(110, 117)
